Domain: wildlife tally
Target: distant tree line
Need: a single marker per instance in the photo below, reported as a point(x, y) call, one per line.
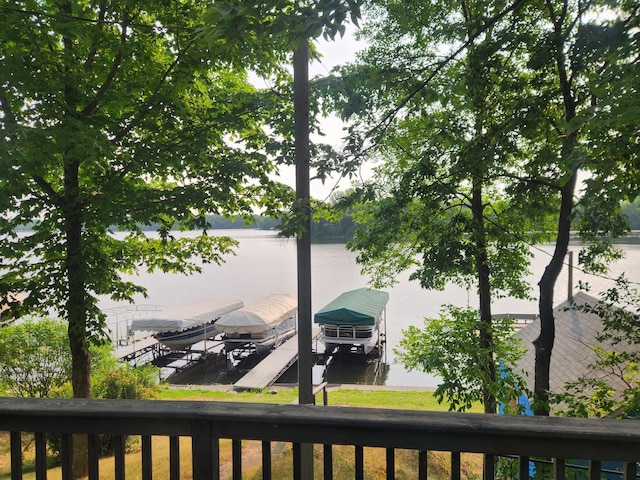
point(322, 230)
point(337, 229)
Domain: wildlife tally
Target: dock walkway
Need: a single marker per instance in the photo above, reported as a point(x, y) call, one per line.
point(272, 366)
point(137, 348)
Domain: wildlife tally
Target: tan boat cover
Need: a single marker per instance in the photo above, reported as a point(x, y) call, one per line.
point(260, 316)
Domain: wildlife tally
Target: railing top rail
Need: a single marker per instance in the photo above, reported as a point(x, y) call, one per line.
point(604, 439)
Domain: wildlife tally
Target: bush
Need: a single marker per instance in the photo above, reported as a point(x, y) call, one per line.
point(115, 380)
point(34, 357)
point(124, 382)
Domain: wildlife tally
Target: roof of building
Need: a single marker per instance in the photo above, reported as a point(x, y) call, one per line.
point(576, 335)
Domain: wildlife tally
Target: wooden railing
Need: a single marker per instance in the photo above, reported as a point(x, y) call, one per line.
point(206, 423)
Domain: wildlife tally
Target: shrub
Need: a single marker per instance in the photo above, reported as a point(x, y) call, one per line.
point(115, 380)
point(34, 357)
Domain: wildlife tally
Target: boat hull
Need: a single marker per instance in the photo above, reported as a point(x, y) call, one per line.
point(184, 339)
point(263, 341)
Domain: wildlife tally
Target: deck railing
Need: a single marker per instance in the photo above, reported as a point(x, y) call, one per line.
point(206, 423)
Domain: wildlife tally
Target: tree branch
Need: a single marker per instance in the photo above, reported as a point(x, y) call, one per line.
point(6, 109)
point(47, 189)
point(145, 109)
point(383, 124)
point(102, 91)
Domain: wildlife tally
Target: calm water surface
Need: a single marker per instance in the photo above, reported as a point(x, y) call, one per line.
point(265, 264)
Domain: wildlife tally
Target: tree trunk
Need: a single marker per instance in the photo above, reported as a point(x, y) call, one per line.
point(484, 295)
point(75, 266)
point(76, 309)
point(76, 305)
point(544, 343)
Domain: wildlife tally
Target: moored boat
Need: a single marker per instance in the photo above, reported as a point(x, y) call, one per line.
point(262, 325)
point(181, 327)
point(355, 318)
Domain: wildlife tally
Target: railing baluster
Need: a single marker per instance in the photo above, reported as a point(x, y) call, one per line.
point(94, 454)
point(559, 469)
point(147, 461)
point(455, 465)
point(489, 466)
point(236, 453)
point(629, 471)
point(67, 456)
point(523, 468)
point(423, 465)
point(41, 456)
point(118, 457)
point(297, 461)
point(391, 464)
point(174, 458)
point(594, 469)
point(205, 450)
point(266, 460)
point(328, 462)
point(359, 464)
point(16, 455)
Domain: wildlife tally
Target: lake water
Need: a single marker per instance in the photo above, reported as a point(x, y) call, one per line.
point(265, 264)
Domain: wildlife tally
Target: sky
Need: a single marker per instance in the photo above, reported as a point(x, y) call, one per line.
point(337, 52)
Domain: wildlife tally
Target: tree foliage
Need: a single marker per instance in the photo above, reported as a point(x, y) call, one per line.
point(445, 108)
point(577, 61)
point(34, 357)
point(261, 29)
point(484, 115)
point(113, 114)
point(450, 347)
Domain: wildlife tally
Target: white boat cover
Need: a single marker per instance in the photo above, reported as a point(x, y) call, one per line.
point(176, 319)
point(260, 316)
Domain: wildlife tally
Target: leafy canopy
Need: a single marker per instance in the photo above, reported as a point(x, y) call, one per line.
point(114, 116)
point(34, 357)
point(449, 346)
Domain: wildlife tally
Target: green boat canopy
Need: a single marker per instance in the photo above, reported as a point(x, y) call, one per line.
point(357, 307)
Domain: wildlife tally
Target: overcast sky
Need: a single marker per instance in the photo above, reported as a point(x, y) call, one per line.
point(338, 52)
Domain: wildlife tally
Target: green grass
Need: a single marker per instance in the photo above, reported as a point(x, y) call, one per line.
point(406, 400)
point(281, 397)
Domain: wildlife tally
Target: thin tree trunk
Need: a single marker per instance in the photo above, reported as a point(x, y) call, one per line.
point(75, 265)
point(544, 343)
point(484, 295)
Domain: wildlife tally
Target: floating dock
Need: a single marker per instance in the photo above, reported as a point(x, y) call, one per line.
point(272, 366)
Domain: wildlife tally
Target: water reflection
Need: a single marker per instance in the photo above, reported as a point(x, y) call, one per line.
point(214, 368)
point(346, 367)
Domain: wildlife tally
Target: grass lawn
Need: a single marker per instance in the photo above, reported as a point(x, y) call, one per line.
point(406, 461)
point(352, 397)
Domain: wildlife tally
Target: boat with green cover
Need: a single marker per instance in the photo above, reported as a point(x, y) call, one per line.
point(356, 318)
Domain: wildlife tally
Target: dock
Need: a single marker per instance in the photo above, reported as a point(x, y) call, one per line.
point(137, 348)
point(520, 320)
point(272, 366)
